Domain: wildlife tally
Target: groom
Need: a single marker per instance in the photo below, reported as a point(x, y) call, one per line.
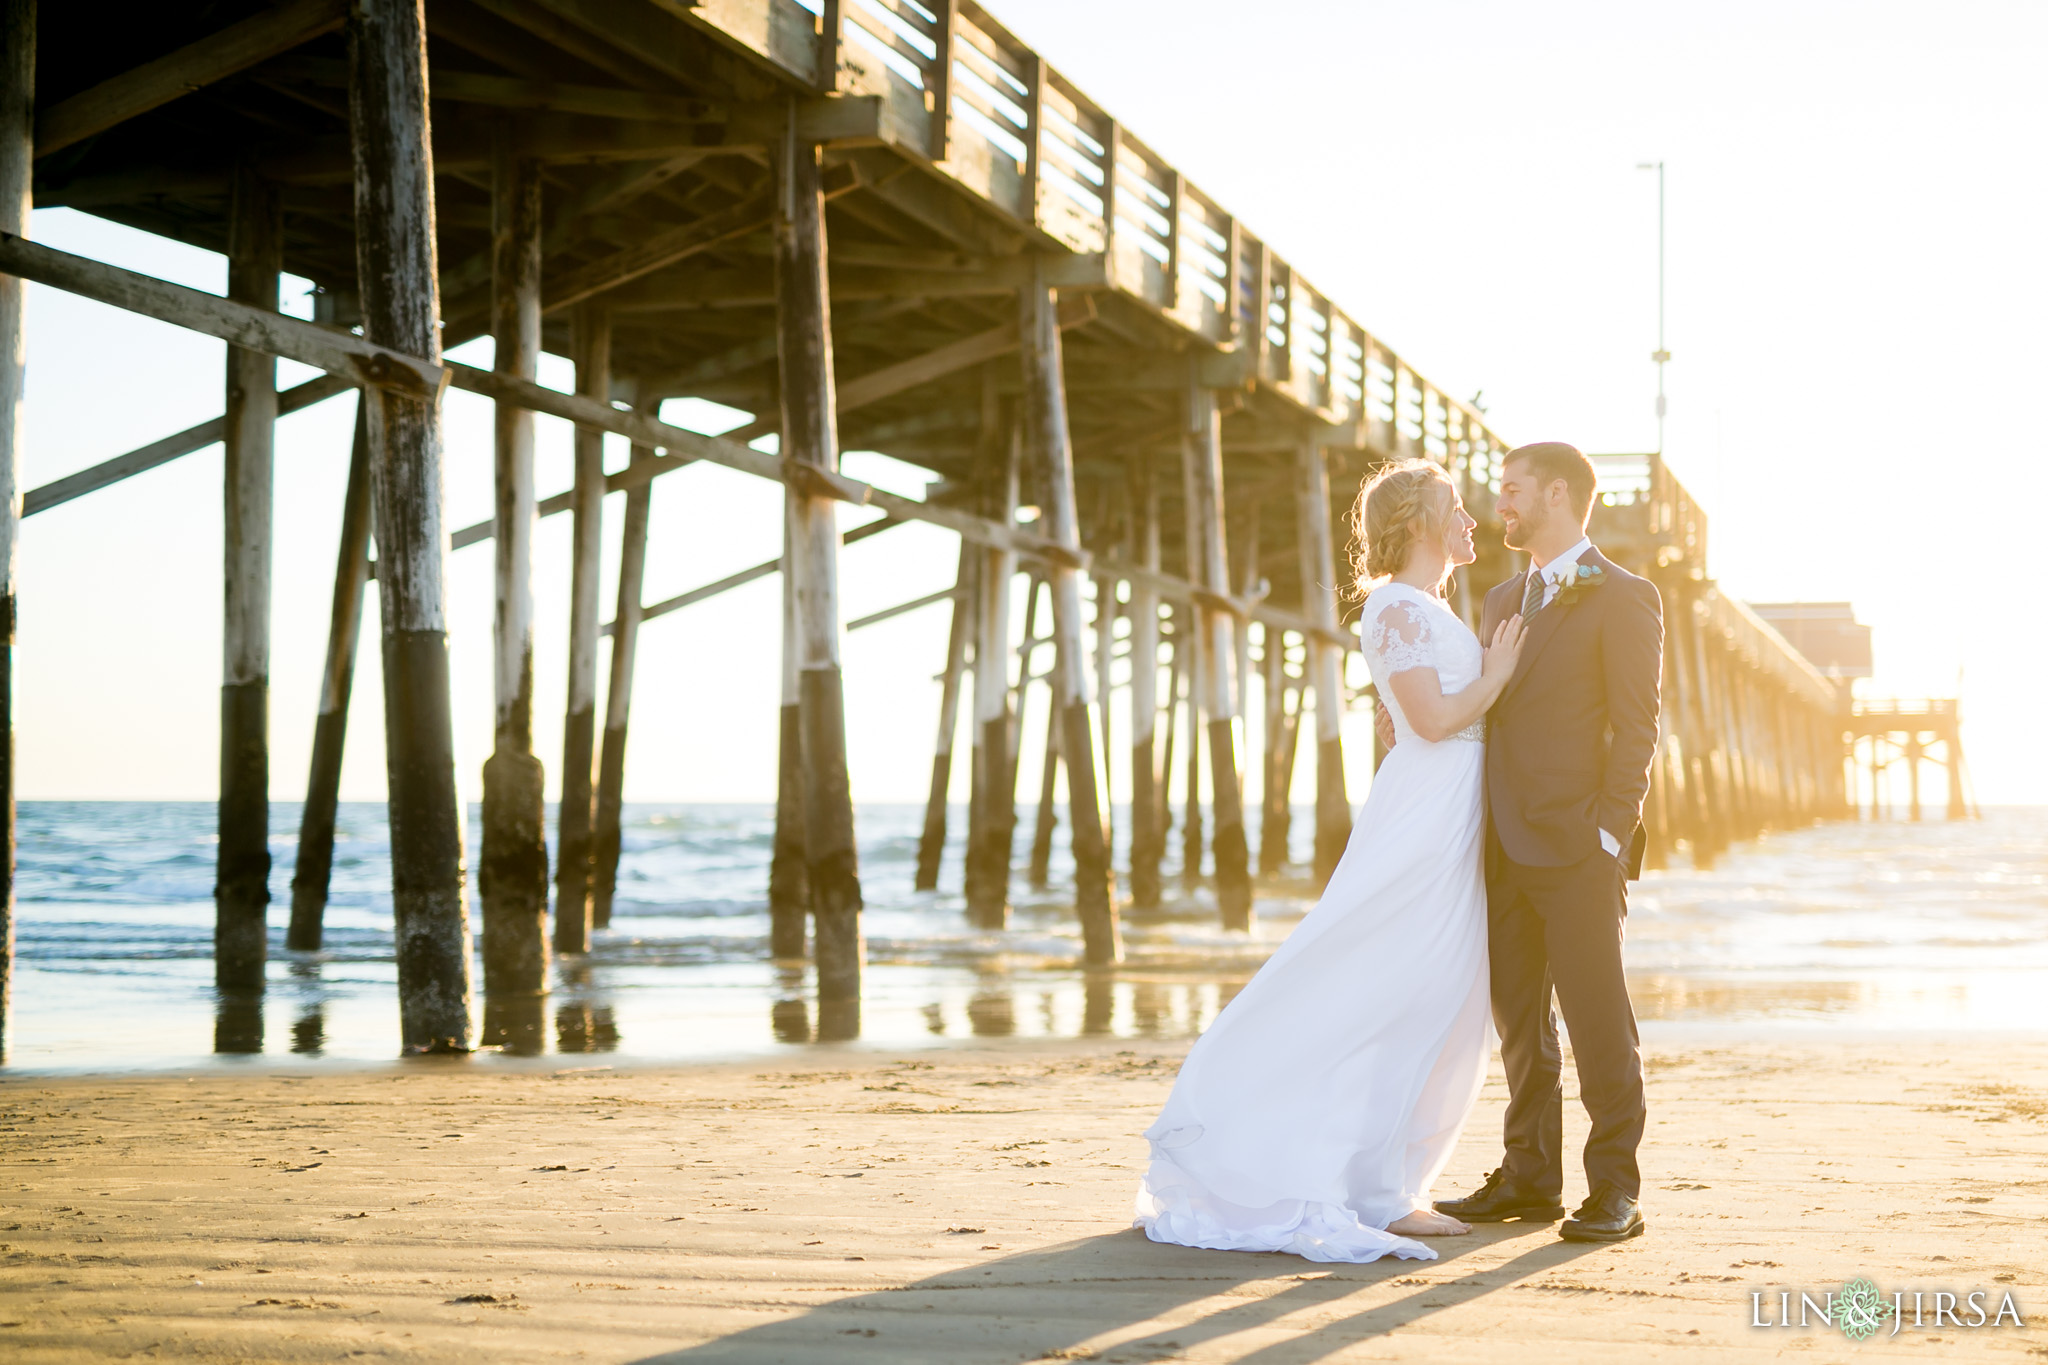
point(1568, 752)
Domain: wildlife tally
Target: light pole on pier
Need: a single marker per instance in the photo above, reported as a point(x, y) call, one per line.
point(1660, 355)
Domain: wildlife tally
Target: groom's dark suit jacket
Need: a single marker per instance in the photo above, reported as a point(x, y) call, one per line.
point(1569, 742)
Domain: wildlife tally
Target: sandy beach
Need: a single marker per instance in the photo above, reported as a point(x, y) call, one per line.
point(965, 1205)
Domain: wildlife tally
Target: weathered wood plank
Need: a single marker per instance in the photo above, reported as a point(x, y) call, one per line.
point(218, 55)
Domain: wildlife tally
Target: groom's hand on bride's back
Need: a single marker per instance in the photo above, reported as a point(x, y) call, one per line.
point(1383, 724)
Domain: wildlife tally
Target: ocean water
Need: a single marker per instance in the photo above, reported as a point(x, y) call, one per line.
point(1864, 926)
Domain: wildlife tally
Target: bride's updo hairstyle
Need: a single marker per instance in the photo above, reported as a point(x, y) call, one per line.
point(1405, 502)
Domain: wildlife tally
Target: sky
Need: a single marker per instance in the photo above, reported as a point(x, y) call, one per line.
point(1854, 284)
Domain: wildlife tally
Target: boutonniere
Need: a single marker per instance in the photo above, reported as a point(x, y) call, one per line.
point(1582, 578)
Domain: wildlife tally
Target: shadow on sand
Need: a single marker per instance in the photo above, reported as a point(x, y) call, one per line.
point(1043, 1304)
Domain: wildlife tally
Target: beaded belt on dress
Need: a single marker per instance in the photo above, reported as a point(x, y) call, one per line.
point(1475, 732)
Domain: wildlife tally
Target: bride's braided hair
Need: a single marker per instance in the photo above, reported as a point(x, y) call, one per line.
point(1384, 519)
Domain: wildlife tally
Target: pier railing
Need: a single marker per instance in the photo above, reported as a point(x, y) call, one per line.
point(972, 103)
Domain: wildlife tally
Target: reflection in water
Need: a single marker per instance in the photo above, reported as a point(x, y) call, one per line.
point(992, 1012)
point(309, 1030)
point(1098, 1003)
point(516, 1023)
point(1150, 1007)
point(238, 1021)
point(838, 1021)
point(1883, 925)
point(790, 1015)
point(1681, 997)
point(791, 1020)
point(584, 1027)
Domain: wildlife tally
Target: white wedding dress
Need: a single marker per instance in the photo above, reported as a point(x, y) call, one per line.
point(1326, 1098)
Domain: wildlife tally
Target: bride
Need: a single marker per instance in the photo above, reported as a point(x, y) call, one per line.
point(1318, 1109)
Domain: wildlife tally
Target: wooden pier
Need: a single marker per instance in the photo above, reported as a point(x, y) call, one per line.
point(875, 224)
point(1887, 734)
point(1753, 735)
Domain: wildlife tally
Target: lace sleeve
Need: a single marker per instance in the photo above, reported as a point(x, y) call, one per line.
point(1399, 638)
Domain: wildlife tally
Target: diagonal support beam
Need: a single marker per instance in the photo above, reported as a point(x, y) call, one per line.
point(214, 57)
point(746, 576)
point(340, 353)
point(353, 360)
point(869, 388)
point(951, 358)
point(655, 253)
point(664, 249)
point(930, 599)
point(142, 459)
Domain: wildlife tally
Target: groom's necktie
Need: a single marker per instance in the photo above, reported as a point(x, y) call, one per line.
point(1532, 596)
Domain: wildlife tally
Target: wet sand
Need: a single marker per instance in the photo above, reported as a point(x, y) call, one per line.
point(963, 1205)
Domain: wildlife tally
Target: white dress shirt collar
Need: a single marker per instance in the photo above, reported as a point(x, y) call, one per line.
point(1554, 572)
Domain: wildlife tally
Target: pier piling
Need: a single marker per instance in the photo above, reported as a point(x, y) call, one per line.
point(1276, 819)
point(314, 867)
point(789, 883)
point(618, 706)
point(1202, 477)
point(810, 442)
point(992, 815)
point(1191, 827)
point(576, 814)
point(931, 844)
point(242, 855)
point(512, 864)
point(1319, 588)
point(17, 162)
point(1147, 832)
point(400, 286)
point(1050, 449)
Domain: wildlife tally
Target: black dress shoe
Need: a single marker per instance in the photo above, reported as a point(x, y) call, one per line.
point(1501, 1198)
point(1608, 1215)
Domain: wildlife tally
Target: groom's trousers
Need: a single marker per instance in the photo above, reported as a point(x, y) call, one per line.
point(1560, 928)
